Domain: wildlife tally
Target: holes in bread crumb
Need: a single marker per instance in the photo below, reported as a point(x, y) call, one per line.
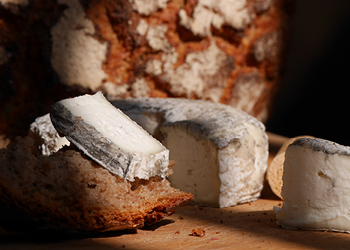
point(49, 187)
point(137, 183)
point(91, 185)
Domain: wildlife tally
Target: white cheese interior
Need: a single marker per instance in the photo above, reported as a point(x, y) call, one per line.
point(96, 111)
point(316, 186)
point(46, 137)
point(211, 174)
point(197, 167)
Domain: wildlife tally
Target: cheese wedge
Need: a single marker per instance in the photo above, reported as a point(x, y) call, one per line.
point(109, 137)
point(220, 152)
point(316, 186)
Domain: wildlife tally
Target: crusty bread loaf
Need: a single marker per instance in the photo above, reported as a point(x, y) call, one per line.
point(227, 51)
point(67, 191)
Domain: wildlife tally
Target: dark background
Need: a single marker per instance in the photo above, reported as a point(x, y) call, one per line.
point(314, 98)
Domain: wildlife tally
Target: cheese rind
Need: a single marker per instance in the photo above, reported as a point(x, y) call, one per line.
point(109, 137)
point(316, 186)
point(221, 152)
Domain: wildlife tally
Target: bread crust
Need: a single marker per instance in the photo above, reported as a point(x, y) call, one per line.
point(126, 51)
point(67, 191)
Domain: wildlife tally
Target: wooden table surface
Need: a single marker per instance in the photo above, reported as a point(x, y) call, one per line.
point(246, 226)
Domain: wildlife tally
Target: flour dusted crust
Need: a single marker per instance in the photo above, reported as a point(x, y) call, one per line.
point(76, 56)
point(222, 51)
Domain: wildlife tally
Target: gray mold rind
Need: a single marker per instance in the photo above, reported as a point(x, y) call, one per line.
point(322, 145)
point(172, 109)
point(98, 147)
point(89, 140)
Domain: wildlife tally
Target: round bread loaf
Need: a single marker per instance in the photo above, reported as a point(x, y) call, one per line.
point(227, 51)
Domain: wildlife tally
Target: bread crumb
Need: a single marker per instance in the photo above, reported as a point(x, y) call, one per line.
point(199, 232)
point(68, 191)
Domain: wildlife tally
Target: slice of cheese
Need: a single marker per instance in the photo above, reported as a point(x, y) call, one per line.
point(274, 172)
point(109, 137)
point(45, 135)
point(316, 186)
point(220, 152)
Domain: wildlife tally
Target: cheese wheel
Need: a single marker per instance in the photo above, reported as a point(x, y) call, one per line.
point(220, 152)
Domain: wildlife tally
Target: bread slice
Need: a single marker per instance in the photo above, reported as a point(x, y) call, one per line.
point(68, 191)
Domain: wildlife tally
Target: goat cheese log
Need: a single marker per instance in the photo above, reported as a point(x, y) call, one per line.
point(316, 186)
point(220, 152)
point(44, 186)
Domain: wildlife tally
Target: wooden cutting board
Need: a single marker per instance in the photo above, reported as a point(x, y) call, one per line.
point(246, 226)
